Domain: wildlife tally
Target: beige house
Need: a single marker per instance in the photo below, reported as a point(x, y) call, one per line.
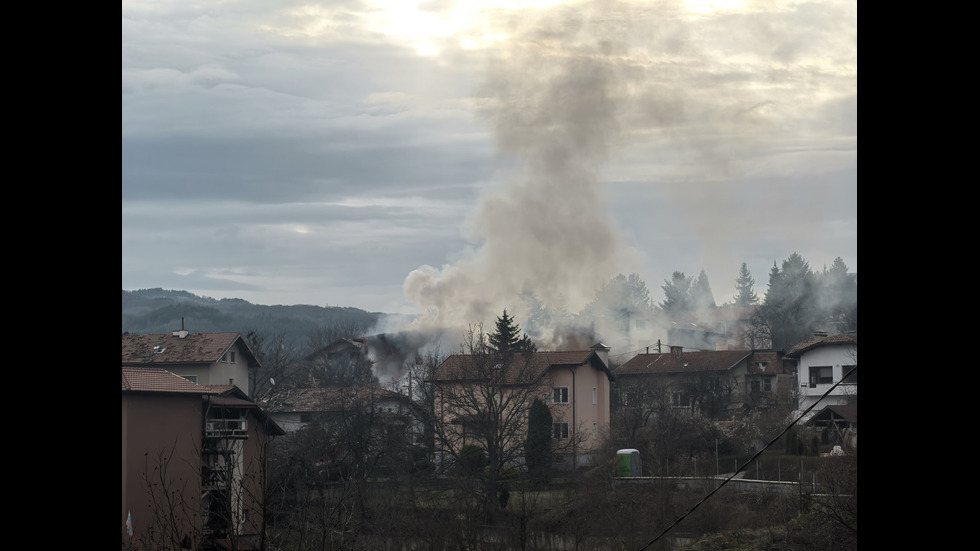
point(222, 358)
point(192, 458)
point(575, 384)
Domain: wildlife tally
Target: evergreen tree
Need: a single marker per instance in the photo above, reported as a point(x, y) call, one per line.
point(619, 299)
point(677, 291)
point(838, 296)
point(505, 340)
point(744, 288)
point(537, 449)
point(701, 297)
point(790, 305)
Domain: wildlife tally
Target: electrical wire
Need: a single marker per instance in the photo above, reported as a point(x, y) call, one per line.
point(746, 464)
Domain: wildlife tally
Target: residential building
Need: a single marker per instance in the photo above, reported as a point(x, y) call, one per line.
point(387, 425)
point(222, 358)
point(710, 383)
point(575, 384)
point(827, 367)
point(192, 461)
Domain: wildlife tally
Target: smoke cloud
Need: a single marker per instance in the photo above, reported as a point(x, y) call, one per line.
point(711, 99)
point(552, 97)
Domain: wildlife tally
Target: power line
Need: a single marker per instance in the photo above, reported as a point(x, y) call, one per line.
point(751, 459)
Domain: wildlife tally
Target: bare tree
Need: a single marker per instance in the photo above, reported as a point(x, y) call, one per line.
point(279, 358)
point(482, 398)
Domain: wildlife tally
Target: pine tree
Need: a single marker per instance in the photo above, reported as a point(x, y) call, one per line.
point(701, 297)
point(505, 338)
point(838, 296)
point(790, 306)
point(677, 291)
point(744, 288)
point(618, 300)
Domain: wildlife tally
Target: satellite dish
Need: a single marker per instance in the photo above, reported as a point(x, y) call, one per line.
point(272, 381)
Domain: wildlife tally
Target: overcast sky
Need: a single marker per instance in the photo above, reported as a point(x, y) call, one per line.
point(440, 157)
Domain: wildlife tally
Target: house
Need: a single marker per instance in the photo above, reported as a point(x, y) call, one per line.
point(192, 461)
point(203, 358)
point(827, 368)
point(711, 383)
point(388, 424)
point(574, 384)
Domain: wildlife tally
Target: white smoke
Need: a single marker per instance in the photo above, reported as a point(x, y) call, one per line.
point(553, 98)
point(688, 100)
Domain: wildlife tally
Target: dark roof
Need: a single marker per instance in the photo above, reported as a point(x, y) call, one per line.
point(163, 349)
point(232, 396)
point(320, 399)
point(462, 366)
point(822, 340)
point(143, 379)
point(847, 413)
point(687, 362)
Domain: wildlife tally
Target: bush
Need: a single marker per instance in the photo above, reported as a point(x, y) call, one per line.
point(472, 459)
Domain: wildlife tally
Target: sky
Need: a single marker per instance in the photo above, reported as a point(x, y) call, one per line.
point(438, 158)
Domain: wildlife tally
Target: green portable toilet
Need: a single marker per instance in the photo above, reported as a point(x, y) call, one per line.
point(628, 463)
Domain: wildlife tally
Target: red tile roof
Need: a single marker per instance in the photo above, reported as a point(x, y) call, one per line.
point(144, 379)
point(167, 349)
point(686, 362)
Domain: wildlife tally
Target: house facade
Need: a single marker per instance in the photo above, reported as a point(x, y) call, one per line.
point(574, 384)
point(192, 461)
point(381, 429)
point(826, 364)
point(709, 383)
point(221, 358)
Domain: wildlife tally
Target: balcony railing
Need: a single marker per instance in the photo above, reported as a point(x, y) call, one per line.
point(226, 428)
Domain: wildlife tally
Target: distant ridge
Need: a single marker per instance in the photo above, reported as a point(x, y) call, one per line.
point(158, 310)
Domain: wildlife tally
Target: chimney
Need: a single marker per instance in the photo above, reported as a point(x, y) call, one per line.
point(602, 351)
point(676, 351)
point(182, 333)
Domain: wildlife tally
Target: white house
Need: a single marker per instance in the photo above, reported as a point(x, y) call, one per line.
point(822, 362)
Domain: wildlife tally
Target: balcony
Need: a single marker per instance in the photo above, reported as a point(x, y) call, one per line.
point(226, 428)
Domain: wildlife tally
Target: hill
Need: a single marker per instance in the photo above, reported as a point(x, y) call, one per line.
point(163, 311)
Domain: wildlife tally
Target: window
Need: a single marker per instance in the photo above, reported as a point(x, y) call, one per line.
point(760, 384)
point(641, 324)
point(231, 381)
point(560, 395)
point(595, 395)
point(680, 400)
point(595, 429)
point(560, 430)
point(853, 379)
point(228, 358)
point(820, 375)
point(191, 378)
